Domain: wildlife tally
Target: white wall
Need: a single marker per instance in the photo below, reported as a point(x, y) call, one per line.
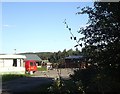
point(1, 63)
point(8, 63)
point(6, 66)
point(12, 70)
point(18, 62)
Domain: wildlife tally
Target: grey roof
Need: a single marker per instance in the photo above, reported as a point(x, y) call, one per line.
point(32, 57)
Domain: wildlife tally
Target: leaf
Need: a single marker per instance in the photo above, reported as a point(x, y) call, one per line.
point(80, 44)
point(74, 38)
point(67, 26)
point(75, 45)
point(69, 29)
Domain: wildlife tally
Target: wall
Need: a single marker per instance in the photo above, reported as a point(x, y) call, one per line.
point(12, 70)
point(8, 62)
point(1, 63)
point(6, 66)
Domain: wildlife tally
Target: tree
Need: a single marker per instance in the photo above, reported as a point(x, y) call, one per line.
point(102, 46)
point(77, 52)
point(102, 41)
point(103, 31)
point(70, 52)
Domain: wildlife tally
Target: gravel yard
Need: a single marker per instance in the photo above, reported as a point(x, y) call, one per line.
point(55, 73)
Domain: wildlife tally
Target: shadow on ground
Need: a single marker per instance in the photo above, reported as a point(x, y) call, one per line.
point(25, 85)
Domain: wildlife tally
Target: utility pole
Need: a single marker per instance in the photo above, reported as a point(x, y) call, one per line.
point(15, 51)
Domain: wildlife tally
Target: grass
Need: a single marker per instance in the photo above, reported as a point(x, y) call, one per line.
point(8, 77)
point(42, 69)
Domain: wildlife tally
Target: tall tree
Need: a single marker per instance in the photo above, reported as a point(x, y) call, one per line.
point(102, 39)
point(103, 31)
point(102, 45)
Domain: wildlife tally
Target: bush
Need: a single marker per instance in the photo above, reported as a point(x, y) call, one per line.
point(62, 86)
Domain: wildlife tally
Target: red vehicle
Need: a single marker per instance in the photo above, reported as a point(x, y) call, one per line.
point(30, 66)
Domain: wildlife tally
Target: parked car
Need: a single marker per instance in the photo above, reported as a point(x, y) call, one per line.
point(30, 66)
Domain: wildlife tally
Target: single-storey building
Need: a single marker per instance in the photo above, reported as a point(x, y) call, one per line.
point(12, 64)
point(75, 62)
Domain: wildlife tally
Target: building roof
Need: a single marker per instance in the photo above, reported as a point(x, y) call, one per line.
point(12, 56)
point(32, 57)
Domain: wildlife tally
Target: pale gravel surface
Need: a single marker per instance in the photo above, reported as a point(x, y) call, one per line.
point(55, 73)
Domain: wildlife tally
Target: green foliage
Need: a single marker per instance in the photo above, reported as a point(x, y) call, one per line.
point(61, 86)
point(8, 77)
point(85, 75)
point(44, 55)
point(103, 31)
point(102, 47)
point(42, 69)
point(58, 57)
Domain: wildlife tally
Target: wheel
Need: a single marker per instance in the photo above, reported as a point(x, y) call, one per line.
point(31, 72)
point(26, 72)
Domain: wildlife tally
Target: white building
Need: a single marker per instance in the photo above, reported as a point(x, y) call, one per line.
point(12, 64)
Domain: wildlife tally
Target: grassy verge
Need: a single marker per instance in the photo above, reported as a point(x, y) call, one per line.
point(42, 69)
point(8, 77)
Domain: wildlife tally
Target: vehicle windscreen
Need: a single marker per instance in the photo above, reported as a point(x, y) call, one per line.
point(31, 64)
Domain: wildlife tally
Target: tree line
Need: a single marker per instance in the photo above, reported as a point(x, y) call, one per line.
point(58, 57)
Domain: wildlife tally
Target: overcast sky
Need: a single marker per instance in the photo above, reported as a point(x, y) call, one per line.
point(39, 27)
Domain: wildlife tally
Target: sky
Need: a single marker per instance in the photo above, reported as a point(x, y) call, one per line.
point(39, 27)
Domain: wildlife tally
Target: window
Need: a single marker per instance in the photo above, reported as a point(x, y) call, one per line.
point(15, 62)
point(31, 64)
point(35, 64)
